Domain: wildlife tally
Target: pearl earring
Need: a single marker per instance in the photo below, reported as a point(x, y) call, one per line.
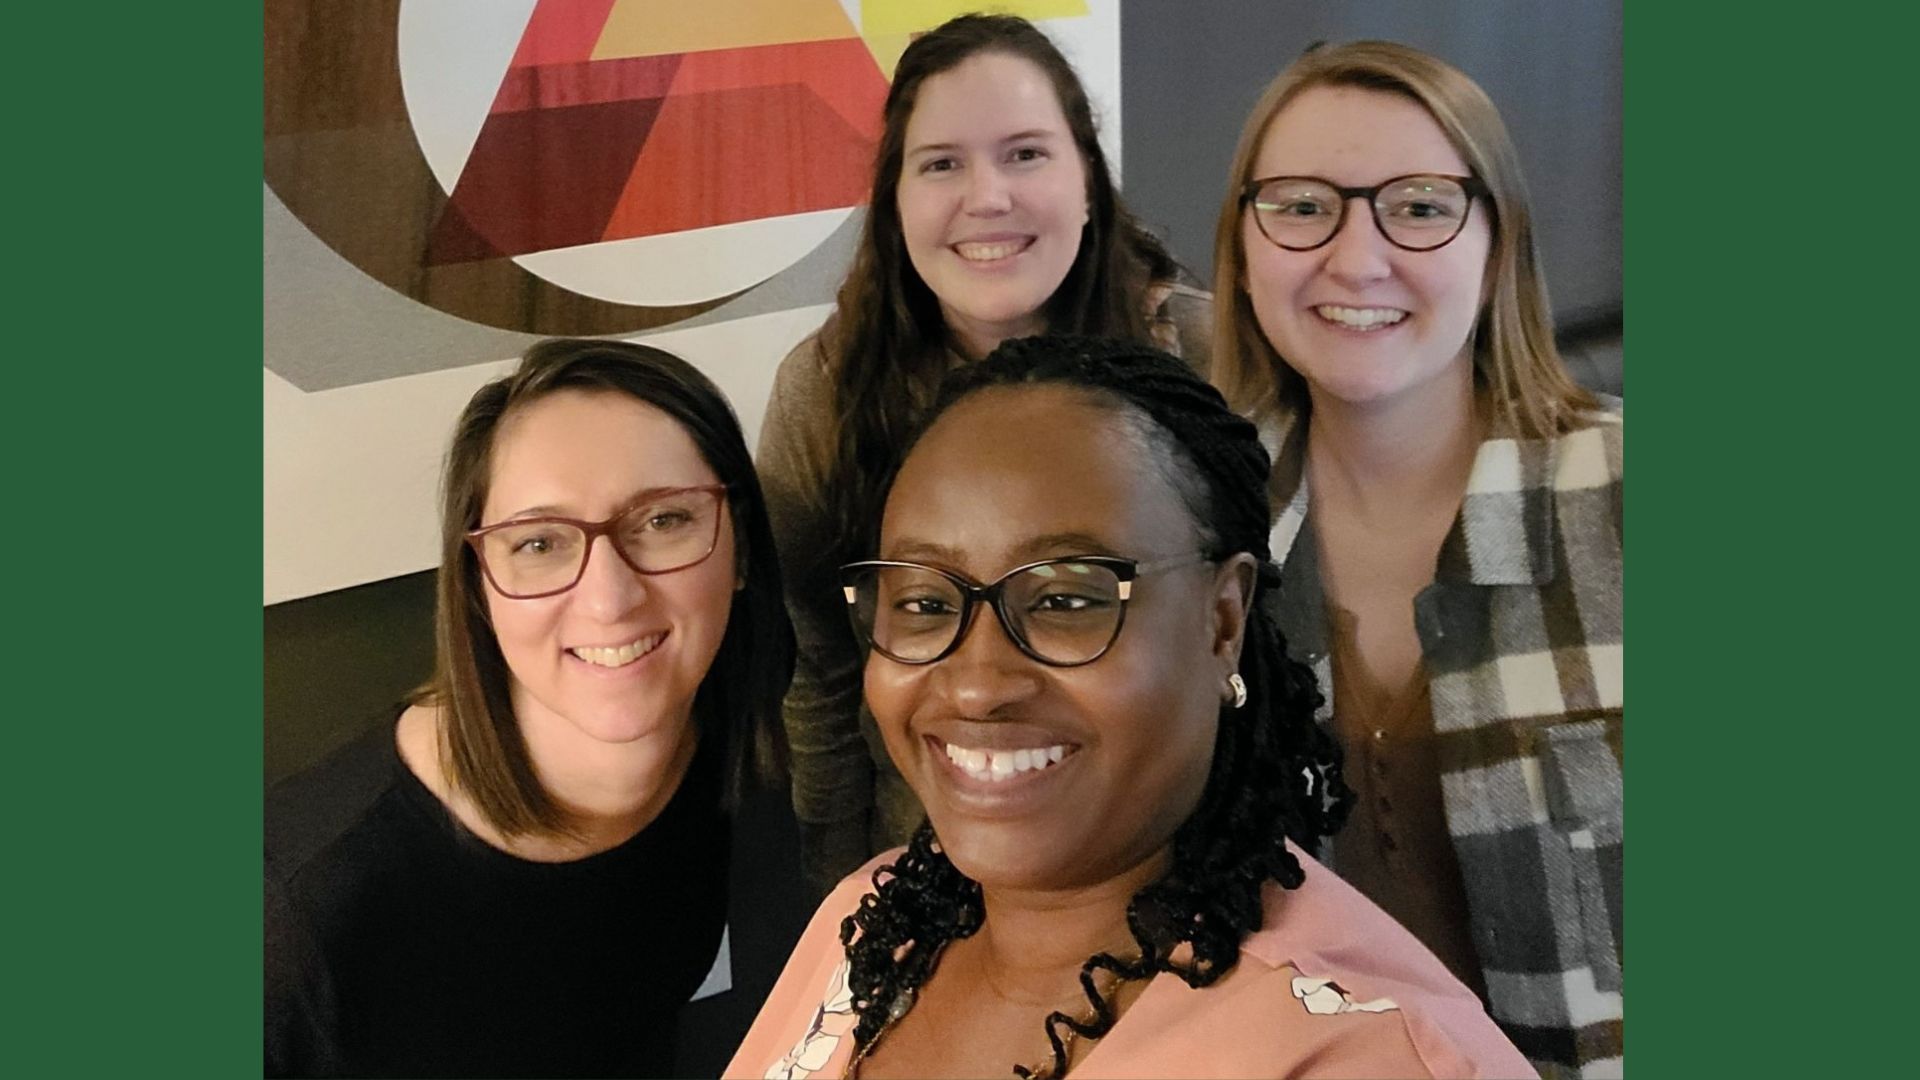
point(1239, 687)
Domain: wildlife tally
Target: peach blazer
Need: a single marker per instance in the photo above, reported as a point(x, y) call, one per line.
point(1330, 986)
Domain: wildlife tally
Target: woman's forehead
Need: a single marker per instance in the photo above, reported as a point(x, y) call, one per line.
point(1355, 135)
point(586, 450)
point(1009, 467)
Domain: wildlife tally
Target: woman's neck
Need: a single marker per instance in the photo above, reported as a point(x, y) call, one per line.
point(1389, 460)
point(973, 341)
point(608, 793)
point(1032, 945)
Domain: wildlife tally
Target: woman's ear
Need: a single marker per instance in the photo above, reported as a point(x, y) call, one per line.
point(1233, 585)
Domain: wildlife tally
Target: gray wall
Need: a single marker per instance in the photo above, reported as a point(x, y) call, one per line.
point(1192, 69)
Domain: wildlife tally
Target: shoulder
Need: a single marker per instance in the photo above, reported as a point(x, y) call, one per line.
point(800, 404)
point(1342, 975)
point(804, 1027)
point(804, 379)
point(847, 896)
point(323, 860)
point(311, 811)
point(807, 360)
point(1593, 454)
point(1327, 917)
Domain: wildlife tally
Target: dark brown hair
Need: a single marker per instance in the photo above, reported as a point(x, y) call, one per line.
point(483, 751)
point(882, 346)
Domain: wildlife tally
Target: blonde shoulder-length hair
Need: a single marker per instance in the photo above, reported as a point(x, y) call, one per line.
point(1517, 367)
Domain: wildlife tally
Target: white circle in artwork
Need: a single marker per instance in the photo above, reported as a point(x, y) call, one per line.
point(454, 55)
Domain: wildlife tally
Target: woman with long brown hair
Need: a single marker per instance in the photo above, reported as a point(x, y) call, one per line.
point(992, 215)
point(525, 872)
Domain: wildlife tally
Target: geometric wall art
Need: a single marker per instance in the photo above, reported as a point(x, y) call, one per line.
point(448, 180)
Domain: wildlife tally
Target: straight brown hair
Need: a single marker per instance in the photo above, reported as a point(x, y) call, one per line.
point(483, 752)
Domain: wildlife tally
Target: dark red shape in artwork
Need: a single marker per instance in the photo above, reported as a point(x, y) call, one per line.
point(455, 240)
point(562, 32)
point(576, 151)
point(543, 179)
point(737, 155)
point(841, 72)
point(559, 86)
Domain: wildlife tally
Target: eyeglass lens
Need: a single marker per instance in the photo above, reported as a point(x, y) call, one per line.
point(665, 533)
point(1415, 212)
point(1065, 613)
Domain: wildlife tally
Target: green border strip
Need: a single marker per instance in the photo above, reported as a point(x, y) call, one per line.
point(1768, 275)
point(133, 417)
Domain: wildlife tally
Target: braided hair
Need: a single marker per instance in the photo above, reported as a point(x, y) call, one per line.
point(1275, 774)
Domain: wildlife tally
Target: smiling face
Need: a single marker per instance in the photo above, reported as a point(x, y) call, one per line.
point(1044, 777)
point(618, 657)
point(993, 196)
point(1362, 321)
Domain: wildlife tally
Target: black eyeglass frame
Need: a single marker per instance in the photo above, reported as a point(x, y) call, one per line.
point(973, 594)
point(596, 529)
point(1475, 188)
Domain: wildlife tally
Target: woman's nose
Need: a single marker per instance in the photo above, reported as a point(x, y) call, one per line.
point(608, 588)
point(986, 673)
point(988, 192)
point(1358, 253)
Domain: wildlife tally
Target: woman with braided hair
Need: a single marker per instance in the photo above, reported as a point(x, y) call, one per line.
point(1070, 666)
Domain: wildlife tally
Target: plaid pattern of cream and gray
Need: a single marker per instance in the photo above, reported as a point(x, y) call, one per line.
point(1521, 636)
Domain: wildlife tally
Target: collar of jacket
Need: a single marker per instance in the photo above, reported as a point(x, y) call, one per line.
point(1502, 536)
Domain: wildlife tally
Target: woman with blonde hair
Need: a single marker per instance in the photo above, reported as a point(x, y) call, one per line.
point(1455, 579)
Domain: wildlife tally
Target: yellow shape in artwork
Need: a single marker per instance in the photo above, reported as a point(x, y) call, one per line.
point(653, 28)
point(887, 18)
point(886, 50)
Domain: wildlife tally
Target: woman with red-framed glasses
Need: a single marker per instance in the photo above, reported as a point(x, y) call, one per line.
point(526, 874)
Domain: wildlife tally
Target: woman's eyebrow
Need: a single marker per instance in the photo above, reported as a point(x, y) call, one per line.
point(1065, 543)
point(638, 497)
point(949, 147)
point(912, 549)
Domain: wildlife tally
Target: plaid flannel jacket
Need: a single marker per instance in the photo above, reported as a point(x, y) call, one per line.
point(1521, 634)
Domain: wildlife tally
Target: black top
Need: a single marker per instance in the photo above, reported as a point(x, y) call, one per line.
point(400, 944)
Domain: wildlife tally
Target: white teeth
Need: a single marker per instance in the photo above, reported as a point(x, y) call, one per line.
point(997, 765)
point(989, 252)
point(622, 655)
point(1360, 318)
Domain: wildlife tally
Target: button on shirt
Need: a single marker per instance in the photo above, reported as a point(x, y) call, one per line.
point(1395, 847)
